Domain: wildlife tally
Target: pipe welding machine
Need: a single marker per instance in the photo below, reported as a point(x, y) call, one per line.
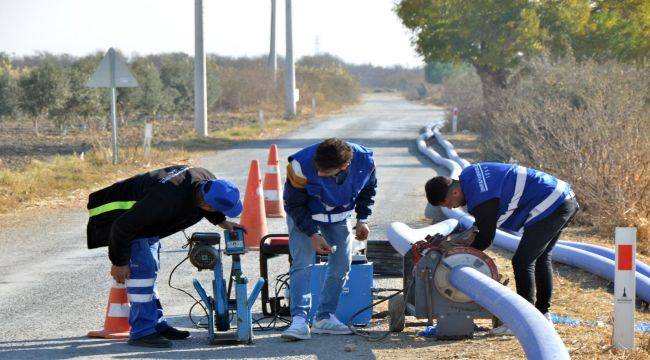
point(204, 256)
point(428, 292)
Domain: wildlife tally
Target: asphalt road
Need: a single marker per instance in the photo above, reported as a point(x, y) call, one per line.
point(53, 290)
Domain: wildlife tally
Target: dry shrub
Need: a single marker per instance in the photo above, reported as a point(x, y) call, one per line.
point(331, 85)
point(587, 123)
point(245, 84)
point(464, 92)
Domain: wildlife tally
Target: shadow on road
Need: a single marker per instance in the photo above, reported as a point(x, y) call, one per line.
point(270, 345)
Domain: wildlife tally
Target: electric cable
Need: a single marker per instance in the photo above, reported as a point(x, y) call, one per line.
point(196, 301)
point(383, 335)
point(281, 282)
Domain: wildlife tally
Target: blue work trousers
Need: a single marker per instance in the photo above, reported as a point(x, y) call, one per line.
point(146, 315)
point(304, 257)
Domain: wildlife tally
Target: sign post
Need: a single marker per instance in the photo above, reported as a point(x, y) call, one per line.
point(112, 73)
point(624, 288)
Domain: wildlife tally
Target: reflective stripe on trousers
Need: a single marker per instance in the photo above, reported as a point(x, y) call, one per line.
point(146, 315)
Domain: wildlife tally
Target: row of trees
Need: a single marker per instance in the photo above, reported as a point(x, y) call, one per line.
point(53, 87)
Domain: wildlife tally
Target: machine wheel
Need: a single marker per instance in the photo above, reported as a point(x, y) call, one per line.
point(397, 311)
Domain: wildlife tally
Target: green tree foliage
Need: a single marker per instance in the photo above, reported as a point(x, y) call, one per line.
point(492, 35)
point(618, 29)
point(437, 72)
point(8, 88)
point(177, 76)
point(496, 35)
point(84, 102)
point(150, 98)
point(54, 85)
point(43, 90)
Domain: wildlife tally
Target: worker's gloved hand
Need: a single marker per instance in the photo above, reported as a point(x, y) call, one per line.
point(229, 225)
point(362, 231)
point(320, 245)
point(120, 273)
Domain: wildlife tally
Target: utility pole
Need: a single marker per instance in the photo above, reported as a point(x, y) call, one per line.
point(290, 74)
point(273, 59)
point(200, 102)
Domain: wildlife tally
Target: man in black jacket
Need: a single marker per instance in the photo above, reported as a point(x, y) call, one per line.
point(131, 216)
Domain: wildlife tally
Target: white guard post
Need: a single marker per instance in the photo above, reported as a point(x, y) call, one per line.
point(624, 288)
point(148, 136)
point(454, 120)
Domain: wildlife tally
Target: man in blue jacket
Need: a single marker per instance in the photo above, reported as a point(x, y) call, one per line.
point(326, 183)
point(513, 198)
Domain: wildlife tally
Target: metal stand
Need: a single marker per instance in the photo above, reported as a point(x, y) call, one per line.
point(220, 306)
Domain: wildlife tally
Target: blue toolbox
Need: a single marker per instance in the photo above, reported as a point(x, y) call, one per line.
point(356, 294)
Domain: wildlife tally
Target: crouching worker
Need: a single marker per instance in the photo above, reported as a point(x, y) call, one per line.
point(131, 216)
point(325, 184)
point(513, 198)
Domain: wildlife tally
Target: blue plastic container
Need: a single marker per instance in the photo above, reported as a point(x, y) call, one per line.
point(356, 294)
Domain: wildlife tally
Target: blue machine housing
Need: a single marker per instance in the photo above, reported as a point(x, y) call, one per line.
point(220, 305)
point(356, 294)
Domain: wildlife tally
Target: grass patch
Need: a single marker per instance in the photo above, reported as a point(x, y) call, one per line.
point(69, 178)
point(221, 139)
point(72, 177)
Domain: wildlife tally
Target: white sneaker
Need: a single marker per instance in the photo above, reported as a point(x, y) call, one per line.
point(332, 325)
point(501, 330)
point(299, 330)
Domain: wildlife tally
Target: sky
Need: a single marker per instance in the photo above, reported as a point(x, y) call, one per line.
point(358, 31)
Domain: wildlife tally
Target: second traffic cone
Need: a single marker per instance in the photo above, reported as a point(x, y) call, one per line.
point(116, 324)
point(272, 186)
point(253, 217)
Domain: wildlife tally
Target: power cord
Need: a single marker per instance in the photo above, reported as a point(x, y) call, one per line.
point(199, 302)
point(366, 334)
point(281, 282)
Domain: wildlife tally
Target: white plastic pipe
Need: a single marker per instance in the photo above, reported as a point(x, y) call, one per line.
point(641, 267)
point(536, 335)
point(402, 237)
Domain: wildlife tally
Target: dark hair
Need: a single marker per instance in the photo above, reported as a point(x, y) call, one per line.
point(332, 153)
point(437, 188)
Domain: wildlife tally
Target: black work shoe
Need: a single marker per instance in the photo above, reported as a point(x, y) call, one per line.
point(174, 334)
point(154, 340)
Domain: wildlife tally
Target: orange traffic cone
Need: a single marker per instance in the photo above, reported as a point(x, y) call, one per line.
point(116, 325)
point(272, 186)
point(253, 216)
